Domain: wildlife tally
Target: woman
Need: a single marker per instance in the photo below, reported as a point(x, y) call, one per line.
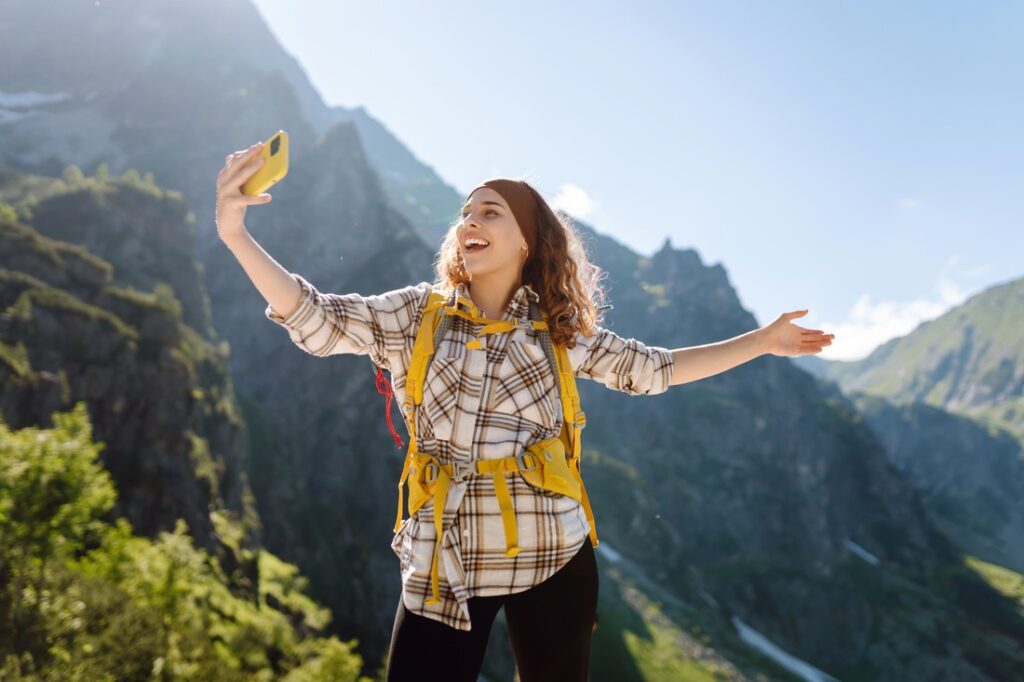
point(488, 396)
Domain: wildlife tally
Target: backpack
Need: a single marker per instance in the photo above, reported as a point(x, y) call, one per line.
point(551, 464)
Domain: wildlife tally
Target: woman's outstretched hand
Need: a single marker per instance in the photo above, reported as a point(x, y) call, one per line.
point(231, 203)
point(783, 338)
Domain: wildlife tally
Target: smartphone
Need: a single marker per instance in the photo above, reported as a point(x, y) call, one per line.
point(275, 165)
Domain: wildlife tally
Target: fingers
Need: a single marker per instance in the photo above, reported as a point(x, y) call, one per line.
point(238, 168)
point(241, 155)
point(242, 170)
point(249, 200)
point(816, 345)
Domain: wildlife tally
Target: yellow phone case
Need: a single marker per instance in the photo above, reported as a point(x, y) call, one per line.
point(275, 165)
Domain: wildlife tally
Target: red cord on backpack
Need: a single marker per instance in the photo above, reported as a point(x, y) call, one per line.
point(384, 388)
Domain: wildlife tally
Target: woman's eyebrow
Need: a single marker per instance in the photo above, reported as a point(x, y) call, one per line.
point(484, 203)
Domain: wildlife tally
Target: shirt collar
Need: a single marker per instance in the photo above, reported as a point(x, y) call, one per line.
point(518, 306)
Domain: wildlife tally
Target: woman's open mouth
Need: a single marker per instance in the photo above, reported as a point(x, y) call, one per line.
point(473, 245)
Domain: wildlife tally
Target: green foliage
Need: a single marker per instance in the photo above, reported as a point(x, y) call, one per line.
point(198, 356)
point(282, 583)
point(83, 628)
point(50, 297)
point(8, 215)
point(73, 175)
point(1006, 581)
point(161, 298)
point(53, 492)
point(658, 297)
point(617, 468)
point(207, 468)
point(16, 359)
point(326, 659)
point(143, 184)
point(58, 252)
point(164, 294)
point(85, 599)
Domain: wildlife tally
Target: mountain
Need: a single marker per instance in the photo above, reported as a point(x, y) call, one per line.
point(138, 100)
point(78, 328)
point(755, 501)
point(969, 361)
point(763, 489)
point(129, 541)
point(948, 402)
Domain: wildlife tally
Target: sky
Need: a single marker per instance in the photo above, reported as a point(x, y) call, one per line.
point(858, 159)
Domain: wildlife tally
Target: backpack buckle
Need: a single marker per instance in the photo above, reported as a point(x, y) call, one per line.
point(431, 467)
point(521, 461)
point(460, 470)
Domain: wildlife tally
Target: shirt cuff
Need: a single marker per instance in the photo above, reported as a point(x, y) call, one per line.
point(304, 310)
point(663, 373)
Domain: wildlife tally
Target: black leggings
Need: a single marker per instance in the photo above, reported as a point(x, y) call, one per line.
point(549, 624)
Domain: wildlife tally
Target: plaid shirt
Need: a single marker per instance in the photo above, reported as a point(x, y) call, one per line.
point(485, 403)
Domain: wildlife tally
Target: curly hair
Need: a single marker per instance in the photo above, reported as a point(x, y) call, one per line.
point(561, 273)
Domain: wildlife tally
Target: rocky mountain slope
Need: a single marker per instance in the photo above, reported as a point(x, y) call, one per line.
point(948, 402)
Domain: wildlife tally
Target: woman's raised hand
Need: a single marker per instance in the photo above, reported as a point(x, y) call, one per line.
point(231, 203)
point(785, 339)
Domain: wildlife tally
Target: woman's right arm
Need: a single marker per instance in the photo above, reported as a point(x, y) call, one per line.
point(319, 323)
point(281, 291)
point(274, 283)
point(380, 325)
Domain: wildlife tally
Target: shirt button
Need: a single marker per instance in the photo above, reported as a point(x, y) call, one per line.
point(465, 532)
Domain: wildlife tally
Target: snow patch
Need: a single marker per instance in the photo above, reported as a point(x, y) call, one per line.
point(8, 116)
point(16, 105)
point(30, 98)
point(861, 552)
point(605, 550)
point(798, 667)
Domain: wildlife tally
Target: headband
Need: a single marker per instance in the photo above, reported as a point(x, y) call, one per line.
point(521, 200)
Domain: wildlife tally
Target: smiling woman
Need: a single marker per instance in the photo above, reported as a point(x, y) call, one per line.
point(515, 302)
point(484, 362)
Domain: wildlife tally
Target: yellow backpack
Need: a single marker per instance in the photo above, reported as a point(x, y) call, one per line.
point(552, 464)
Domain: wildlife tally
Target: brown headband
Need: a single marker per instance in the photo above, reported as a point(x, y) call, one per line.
point(520, 199)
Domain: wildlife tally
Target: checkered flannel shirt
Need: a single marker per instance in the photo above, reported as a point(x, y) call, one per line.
point(483, 403)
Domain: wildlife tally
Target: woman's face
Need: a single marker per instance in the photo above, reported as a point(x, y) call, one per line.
point(486, 216)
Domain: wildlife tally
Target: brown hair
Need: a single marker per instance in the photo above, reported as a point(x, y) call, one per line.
point(560, 271)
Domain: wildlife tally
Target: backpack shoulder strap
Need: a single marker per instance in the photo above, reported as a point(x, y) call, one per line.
point(434, 300)
point(573, 417)
point(422, 352)
point(423, 348)
point(558, 357)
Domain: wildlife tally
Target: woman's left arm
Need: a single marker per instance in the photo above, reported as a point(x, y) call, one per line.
point(781, 338)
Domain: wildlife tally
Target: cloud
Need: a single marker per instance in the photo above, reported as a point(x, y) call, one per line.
point(909, 203)
point(574, 201)
point(870, 324)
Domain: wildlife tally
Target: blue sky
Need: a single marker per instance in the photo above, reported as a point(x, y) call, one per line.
point(862, 160)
